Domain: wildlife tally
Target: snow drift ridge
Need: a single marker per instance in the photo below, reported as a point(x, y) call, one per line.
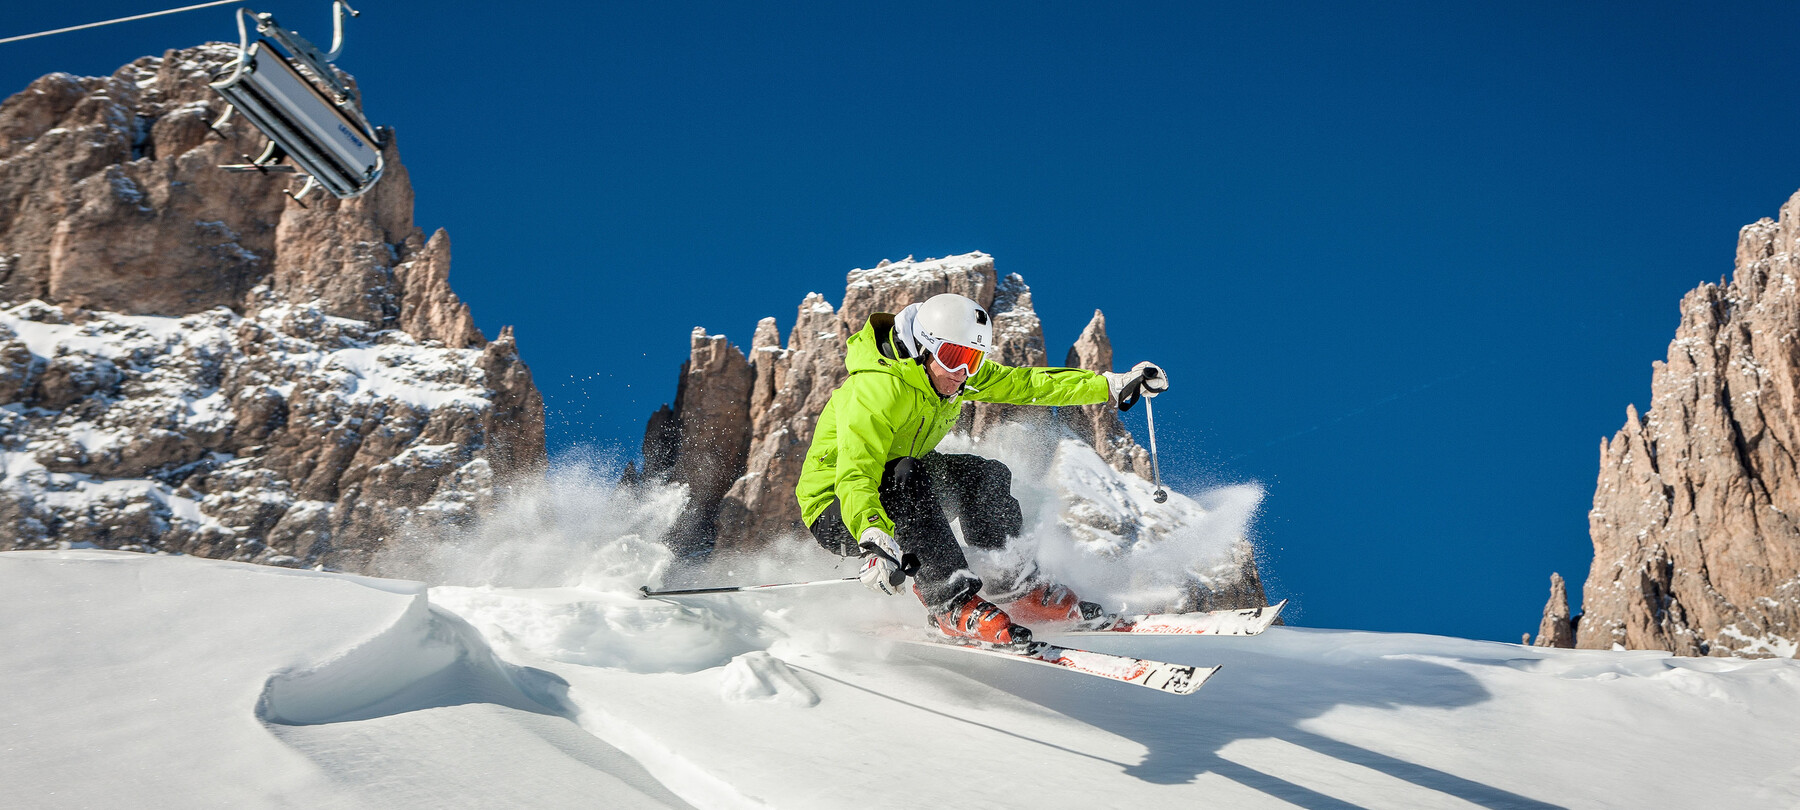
point(428, 658)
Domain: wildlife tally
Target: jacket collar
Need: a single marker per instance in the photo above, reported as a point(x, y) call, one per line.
point(874, 349)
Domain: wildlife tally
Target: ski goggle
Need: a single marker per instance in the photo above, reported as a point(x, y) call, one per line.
point(953, 357)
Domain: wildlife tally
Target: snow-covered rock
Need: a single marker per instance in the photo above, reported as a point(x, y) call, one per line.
point(288, 436)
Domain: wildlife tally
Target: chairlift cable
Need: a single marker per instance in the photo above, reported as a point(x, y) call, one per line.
point(119, 20)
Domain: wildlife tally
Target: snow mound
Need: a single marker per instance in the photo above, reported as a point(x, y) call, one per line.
point(759, 676)
point(162, 681)
point(427, 658)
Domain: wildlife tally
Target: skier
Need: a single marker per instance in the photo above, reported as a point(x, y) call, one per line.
point(873, 486)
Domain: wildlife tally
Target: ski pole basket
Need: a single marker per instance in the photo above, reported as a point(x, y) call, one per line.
point(298, 103)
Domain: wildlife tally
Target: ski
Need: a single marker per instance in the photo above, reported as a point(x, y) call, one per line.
point(1174, 679)
point(1245, 622)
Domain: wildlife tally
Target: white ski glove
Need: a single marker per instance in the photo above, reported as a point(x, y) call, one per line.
point(881, 562)
point(1146, 379)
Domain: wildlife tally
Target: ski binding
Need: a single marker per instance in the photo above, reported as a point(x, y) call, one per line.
point(1244, 622)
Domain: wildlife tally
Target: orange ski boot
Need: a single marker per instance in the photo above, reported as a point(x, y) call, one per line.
point(977, 619)
point(1052, 605)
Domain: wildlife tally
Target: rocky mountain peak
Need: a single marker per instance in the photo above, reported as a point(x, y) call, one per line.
point(193, 361)
point(111, 200)
point(1696, 545)
point(888, 286)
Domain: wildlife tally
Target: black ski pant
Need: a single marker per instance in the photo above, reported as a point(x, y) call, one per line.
point(922, 495)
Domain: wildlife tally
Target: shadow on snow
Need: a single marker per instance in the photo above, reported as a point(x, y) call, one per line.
point(1258, 695)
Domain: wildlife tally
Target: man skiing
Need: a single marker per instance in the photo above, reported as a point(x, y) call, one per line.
point(873, 486)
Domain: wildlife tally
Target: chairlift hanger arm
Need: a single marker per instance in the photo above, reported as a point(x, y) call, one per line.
point(338, 7)
point(300, 47)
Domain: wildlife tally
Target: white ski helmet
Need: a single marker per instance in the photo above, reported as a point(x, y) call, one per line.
point(950, 318)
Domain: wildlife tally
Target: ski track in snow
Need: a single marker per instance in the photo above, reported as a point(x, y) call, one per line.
point(140, 680)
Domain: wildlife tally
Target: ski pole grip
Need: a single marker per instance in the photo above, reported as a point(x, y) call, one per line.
point(1129, 397)
point(908, 562)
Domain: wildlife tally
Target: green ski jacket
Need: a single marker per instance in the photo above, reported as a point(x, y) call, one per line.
point(887, 409)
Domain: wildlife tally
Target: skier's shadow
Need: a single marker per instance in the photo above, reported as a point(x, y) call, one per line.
point(1261, 695)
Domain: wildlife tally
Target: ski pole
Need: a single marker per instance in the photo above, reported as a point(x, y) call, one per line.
point(909, 565)
point(645, 590)
point(1155, 470)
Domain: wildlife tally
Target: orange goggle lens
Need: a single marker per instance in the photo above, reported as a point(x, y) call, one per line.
point(959, 358)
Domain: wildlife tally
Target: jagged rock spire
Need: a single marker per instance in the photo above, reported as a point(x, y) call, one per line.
point(1696, 545)
point(1099, 425)
point(791, 387)
point(710, 427)
point(1557, 628)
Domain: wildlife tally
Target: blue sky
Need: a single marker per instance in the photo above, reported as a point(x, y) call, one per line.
point(1406, 265)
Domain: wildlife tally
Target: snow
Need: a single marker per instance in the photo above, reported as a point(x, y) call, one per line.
point(1103, 533)
point(891, 274)
point(144, 680)
point(153, 681)
point(531, 673)
point(535, 675)
point(1765, 644)
point(759, 676)
point(392, 373)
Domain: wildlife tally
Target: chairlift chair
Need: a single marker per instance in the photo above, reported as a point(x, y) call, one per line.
point(319, 128)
